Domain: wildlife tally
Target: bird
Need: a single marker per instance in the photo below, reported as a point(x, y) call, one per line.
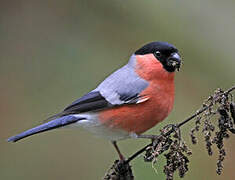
point(127, 103)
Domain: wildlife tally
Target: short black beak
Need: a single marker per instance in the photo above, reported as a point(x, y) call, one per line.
point(175, 60)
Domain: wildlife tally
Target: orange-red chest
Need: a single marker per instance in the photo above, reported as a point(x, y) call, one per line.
point(138, 118)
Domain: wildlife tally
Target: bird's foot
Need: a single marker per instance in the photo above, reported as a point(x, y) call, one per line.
point(171, 127)
point(165, 130)
point(148, 136)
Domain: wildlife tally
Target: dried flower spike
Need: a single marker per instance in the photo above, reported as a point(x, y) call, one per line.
point(232, 111)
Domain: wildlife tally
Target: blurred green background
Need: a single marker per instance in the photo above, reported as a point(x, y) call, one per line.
point(53, 52)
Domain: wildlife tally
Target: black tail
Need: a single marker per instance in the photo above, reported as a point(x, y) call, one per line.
point(56, 123)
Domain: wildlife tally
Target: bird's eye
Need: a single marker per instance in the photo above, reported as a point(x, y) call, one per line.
point(157, 54)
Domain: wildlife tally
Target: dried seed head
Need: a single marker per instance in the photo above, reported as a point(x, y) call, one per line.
point(119, 171)
point(232, 111)
point(218, 103)
point(207, 130)
point(193, 137)
point(177, 159)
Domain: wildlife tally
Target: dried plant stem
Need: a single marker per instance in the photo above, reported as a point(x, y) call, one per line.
point(178, 126)
point(165, 142)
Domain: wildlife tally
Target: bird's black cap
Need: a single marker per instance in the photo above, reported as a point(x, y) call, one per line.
point(156, 46)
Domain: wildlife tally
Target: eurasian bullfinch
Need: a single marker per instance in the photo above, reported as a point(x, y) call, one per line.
point(130, 101)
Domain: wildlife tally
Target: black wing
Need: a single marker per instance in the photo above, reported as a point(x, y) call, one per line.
point(94, 101)
point(89, 102)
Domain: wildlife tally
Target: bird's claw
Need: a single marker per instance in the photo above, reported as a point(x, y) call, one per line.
point(149, 136)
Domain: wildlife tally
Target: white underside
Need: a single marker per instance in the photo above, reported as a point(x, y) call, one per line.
point(92, 124)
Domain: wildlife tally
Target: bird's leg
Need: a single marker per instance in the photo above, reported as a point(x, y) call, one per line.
point(122, 158)
point(166, 129)
point(174, 127)
point(148, 136)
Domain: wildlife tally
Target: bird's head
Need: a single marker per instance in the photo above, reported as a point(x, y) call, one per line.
point(162, 52)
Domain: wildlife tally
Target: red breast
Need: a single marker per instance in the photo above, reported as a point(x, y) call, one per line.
point(138, 118)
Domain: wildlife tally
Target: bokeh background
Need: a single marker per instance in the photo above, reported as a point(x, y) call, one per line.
point(52, 52)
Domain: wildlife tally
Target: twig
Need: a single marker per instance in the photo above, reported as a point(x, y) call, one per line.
point(179, 125)
point(178, 152)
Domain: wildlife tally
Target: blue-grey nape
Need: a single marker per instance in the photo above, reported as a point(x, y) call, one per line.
point(123, 84)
